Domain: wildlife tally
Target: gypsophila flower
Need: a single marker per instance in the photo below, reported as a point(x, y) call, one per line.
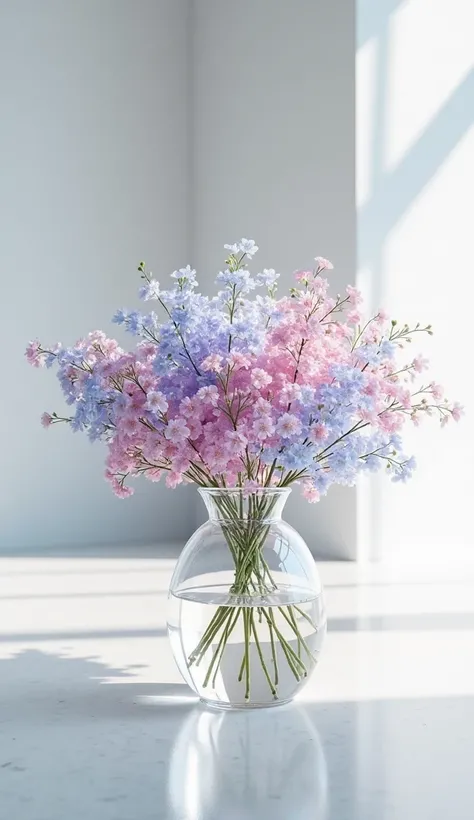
point(288, 425)
point(156, 402)
point(46, 419)
point(322, 263)
point(267, 277)
point(176, 431)
point(150, 291)
point(419, 364)
point(187, 274)
point(246, 246)
point(248, 392)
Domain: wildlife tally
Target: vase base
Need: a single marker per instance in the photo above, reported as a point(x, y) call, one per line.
point(242, 707)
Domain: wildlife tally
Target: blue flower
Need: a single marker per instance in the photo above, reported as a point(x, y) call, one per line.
point(149, 291)
point(240, 279)
point(120, 317)
point(404, 471)
point(186, 274)
point(388, 349)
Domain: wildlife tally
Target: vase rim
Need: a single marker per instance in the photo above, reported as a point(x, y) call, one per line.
point(239, 490)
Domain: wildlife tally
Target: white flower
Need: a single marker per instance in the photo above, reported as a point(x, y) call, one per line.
point(156, 402)
point(232, 248)
point(288, 425)
point(246, 246)
point(263, 427)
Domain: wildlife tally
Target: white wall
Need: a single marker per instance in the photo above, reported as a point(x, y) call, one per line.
point(273, 158)
point(93, 141)
point(415, 140)
point(107, 151)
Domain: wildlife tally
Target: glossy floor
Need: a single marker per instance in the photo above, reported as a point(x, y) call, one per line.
point(95, 723)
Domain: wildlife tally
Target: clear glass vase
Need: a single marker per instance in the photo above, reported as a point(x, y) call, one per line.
point(246, 611)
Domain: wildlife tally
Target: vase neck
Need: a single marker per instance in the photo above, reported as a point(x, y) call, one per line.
point(265, 504)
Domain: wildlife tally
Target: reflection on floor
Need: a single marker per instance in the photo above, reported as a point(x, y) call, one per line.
point(95, 723)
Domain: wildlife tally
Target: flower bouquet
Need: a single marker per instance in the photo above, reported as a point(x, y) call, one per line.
point(245, 397)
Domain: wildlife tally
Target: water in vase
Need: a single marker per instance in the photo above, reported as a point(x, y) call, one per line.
point(246, 651)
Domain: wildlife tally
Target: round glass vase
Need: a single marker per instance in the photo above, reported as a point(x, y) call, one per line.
point(246, 612)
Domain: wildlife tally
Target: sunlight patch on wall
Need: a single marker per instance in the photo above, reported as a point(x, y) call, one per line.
point(431, 52)
point(365, 73)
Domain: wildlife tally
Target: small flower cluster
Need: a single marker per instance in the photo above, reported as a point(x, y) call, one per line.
point(248, 392)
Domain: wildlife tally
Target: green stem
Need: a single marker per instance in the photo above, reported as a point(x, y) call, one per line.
point(247, 653)
point(274, 654)
point(260, 655)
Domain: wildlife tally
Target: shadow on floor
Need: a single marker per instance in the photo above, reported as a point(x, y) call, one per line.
point(171, 551)
point(82, 739)
point(74, 635)
point(38, 686)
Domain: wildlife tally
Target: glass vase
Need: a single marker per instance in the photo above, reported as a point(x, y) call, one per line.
point(246, 611)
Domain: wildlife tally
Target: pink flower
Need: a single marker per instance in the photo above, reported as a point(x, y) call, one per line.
point(128, 425)
point(250, 486)
point(217, 457)
point(238, 361)
point(390, 422)
point(33, 355)
point(154, 474)
point(288, 425)
point(195, 429)
point(323, 264)
point(237, 440)
point(181, 463)
point(457, 411)
point(263, 405)
point(176, 430)
point(120, 490)
point(289, 393)
point(318, 433)
point(260, 378)
point(404, 397)
point(110, 347)
point(353, 317)
point(382, 317)
point(208, 394)
point(212, 362)
point(303, 275)
point(46, 419)
point(189, 408)
point(156, 402)
point(173, 479)
point(355, 296)
point(310, 493)
point(437, 391)
point(419, 364)
point(263, 428)
point(170, 450)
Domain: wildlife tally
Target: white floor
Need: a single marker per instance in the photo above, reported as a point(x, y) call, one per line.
point(96, 725)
